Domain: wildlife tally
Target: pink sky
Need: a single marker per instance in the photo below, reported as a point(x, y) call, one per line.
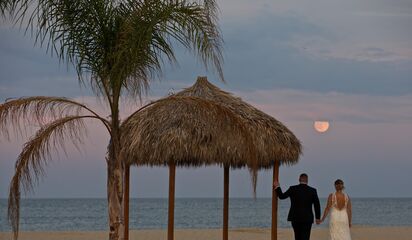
point(362, 145)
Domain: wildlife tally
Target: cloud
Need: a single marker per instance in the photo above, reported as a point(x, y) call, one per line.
point(384, 14)
point(305, 106)
point(311, 45)
point(356, 26)
point(322, 48)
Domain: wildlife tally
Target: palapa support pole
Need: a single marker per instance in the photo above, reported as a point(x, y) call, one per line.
point(126, 201)
point(274, 232)
point(170, 225)
point(226, 203)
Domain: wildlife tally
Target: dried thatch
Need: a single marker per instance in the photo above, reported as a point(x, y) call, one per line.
point(187, 131)
point(205, 125)
point(273, 141)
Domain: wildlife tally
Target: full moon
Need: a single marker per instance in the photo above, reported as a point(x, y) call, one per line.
point(321, 126)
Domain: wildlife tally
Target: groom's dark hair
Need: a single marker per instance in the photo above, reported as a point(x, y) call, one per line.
point(303, 177)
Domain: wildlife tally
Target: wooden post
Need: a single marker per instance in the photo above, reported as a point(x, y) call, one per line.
point(170, 225)
point(275, 203)
point(226, 203)
point(126, 201)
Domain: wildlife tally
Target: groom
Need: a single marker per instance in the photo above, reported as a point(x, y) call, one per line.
point(302, 197)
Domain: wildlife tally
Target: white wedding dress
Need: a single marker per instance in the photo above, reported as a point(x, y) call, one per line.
point(339, 221)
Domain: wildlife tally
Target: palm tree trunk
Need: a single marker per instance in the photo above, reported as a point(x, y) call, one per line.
point(115, 172)
point(115, 204)
point(126, 199)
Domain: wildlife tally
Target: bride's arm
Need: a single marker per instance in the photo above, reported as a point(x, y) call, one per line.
point(349, 209)
point(327, 208)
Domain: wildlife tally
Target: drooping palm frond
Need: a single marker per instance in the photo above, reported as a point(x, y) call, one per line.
point(36, 153)
point(23, 112)
point(59, 120)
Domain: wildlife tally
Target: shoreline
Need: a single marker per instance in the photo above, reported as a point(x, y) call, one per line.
point(358, 233)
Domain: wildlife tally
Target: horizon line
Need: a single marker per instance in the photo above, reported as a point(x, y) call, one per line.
point(101, 198)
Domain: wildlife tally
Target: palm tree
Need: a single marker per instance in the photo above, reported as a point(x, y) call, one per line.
point(117, 47)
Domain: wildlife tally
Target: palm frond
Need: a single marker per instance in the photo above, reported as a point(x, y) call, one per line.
point(120, 45)
point(151, 30)
point(6, 6)
point(22, 113)
point(36, 153)
point(3, 6)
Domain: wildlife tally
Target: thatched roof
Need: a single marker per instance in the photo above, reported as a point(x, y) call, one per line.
point(203, 125)
point(188, 131)
point(272, 139)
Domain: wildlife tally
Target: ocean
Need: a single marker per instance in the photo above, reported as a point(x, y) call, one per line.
point(145, 213)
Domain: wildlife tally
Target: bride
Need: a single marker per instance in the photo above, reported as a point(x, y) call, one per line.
point(340, 208)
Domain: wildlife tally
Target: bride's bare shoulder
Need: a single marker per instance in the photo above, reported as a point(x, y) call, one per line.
point(330, 196)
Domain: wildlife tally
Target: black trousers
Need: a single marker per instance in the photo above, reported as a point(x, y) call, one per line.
point(302, 230)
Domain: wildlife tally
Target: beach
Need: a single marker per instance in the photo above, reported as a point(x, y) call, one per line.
point(358, 233)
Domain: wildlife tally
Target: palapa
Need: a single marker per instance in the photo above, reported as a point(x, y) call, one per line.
point(203, 125)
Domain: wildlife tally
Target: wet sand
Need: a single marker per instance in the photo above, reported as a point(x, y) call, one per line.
point(358, 233)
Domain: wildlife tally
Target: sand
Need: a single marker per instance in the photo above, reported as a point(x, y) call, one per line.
point(358, 233)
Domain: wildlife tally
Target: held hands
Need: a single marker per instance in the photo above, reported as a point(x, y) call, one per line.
point(318, 221)
point(275, 184)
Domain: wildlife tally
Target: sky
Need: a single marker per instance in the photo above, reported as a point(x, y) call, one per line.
point(348, 62)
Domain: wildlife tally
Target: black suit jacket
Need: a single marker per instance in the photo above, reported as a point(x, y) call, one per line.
point(302, 197)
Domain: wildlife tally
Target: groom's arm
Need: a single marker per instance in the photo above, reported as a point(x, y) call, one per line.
point(282, 195)
point(316, 204)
